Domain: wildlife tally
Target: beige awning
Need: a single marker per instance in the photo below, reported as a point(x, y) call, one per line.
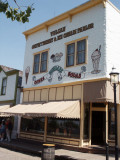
point(21, 109)
point(2, 109)
point(99, 91)
point(61, 109)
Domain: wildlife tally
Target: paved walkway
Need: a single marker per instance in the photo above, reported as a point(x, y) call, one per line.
point(6, 154)
point(60, 154)
point(81, 156)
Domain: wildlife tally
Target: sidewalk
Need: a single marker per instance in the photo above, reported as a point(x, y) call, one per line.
point(35, 148)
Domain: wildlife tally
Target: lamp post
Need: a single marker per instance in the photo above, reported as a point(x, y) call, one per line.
point(114, 80)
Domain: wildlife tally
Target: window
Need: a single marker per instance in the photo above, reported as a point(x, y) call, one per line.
point(33, 125)
point(4, 85)
point(111, 121)
point(81, 47)
point(40, 62)
point(76, 53)
point(43, 62)
point(69, 128)
point(36, 63)
point(70, 54)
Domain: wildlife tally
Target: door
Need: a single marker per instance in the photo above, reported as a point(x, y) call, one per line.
point(98, 127)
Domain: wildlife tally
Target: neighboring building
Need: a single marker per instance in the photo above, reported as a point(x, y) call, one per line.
point(10, 85)
point(66, 90)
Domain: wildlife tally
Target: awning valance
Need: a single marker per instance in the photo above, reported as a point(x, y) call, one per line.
point(99, 91)
point(61, 109)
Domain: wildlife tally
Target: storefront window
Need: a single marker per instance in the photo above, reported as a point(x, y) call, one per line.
point(33, 125)
point(111, 121)
point(86, 120)
point(69, 128)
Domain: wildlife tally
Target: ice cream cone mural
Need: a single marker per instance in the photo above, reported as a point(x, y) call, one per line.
point(96, 60)
point(27, 70)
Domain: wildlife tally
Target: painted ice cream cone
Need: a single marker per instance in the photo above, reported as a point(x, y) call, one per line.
point(27, 73)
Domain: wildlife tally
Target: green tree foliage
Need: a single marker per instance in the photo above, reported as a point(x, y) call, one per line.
point(16, 13)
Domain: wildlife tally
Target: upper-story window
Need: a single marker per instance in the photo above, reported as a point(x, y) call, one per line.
point(4, 85)
point(76, 53)
point(40, 62)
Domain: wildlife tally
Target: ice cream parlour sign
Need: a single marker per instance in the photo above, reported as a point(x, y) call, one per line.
point(55, 38)
point(61, 73)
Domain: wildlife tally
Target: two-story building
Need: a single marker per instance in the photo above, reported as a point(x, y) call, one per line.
point(10, 85)
point(67, 96)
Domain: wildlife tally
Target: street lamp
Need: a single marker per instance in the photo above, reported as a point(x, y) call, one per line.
point(114, 80)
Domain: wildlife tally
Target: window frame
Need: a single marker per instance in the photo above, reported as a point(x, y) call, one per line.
point(36, 63)
point(68, 55)
point(76, 52)
point(40, 53)
point(5, 78)
point(42, 61)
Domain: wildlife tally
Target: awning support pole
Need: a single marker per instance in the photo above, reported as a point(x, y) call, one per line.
point(90, 124)
point(45, 129)
point(107, 122)
point(19, 124)
point(118, 116)
point(82, 120)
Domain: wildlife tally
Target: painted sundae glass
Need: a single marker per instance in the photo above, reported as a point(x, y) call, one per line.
point(27, 73)
point(95, 60)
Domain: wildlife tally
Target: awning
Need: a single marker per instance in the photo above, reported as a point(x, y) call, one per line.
point(99, 91)
point(21, 109)
point(2, 109)
point(61, 109)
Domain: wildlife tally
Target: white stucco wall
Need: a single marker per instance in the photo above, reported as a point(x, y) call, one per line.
point(112, 38)
point(10, 90)
point(96, 37)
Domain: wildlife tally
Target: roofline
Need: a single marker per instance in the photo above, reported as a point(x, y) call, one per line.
point(65, 15)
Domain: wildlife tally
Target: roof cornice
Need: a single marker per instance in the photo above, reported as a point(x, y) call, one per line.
point(65, 15)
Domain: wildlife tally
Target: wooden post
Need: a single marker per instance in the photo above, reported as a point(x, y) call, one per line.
point(45, 129)
point(82, 120)
point(18, 128)
point(118, 118)
point(106, 122)
point(90, 124)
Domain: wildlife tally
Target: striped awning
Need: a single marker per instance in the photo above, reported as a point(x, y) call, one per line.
point(61, 109)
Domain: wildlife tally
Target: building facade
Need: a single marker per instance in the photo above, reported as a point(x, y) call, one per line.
point(68, 59)
point(10, 85)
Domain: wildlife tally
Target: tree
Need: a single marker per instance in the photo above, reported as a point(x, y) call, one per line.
point(20, 14)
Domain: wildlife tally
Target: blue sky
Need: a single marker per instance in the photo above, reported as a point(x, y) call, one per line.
point(12, 41)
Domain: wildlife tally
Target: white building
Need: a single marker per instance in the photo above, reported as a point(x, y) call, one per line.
point(10, 85)
point(67, 64)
